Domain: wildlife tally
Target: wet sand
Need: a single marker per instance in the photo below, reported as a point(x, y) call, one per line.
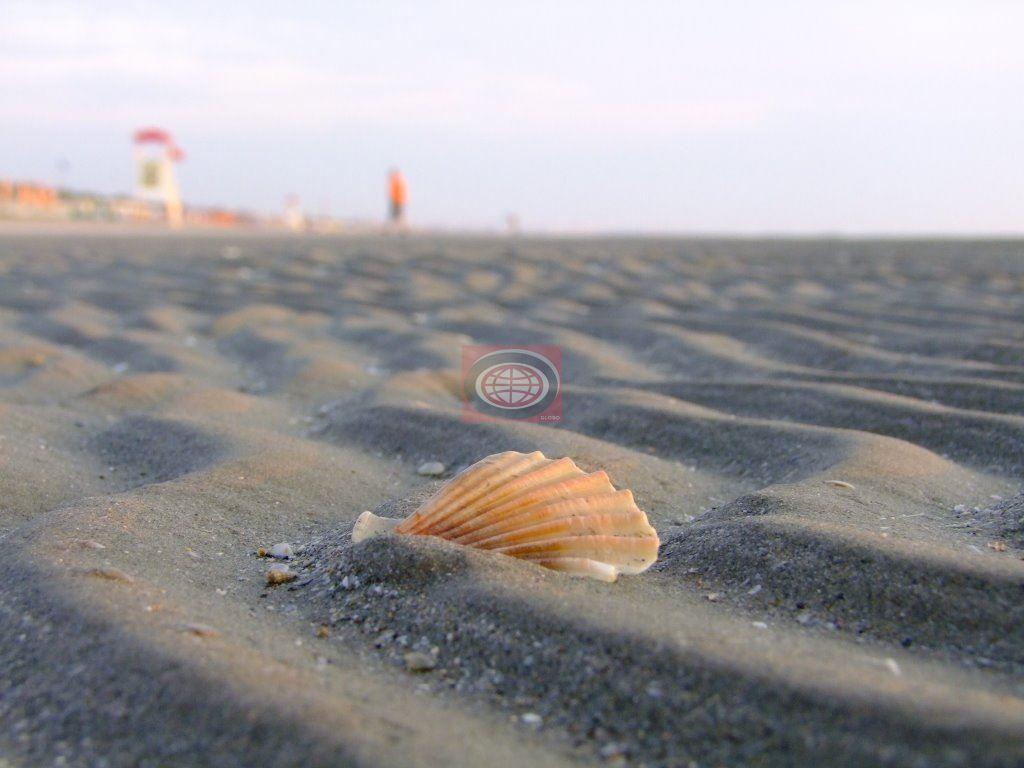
point(827, 435)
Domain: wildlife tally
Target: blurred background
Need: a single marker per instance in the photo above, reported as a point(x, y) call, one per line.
point(729, 117)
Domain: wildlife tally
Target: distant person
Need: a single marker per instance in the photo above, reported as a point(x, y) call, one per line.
point(397, 194)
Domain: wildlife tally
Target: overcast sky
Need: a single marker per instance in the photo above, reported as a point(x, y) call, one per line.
point(720, 116)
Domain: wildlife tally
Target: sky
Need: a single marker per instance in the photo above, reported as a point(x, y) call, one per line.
point(705, 117)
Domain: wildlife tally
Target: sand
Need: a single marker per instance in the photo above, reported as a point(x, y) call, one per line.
point(828, 436)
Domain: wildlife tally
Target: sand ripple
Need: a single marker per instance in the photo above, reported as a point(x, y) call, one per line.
point(828, 436)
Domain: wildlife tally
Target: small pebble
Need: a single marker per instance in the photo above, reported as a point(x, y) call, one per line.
point(998, 546)
point(531, 718)
point(110, 574)
point(280, 574)
point(282, 551)
point(431, 469)
point(323, 631)
point(612, 749)
point(840, 484)
point(89, 544)
point(200, 630)
point(349, 582)
point(415, 661)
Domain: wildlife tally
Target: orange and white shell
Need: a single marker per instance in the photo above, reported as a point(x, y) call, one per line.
point(547, 511)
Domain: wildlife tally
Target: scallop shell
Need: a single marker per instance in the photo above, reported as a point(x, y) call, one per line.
point(547, 511)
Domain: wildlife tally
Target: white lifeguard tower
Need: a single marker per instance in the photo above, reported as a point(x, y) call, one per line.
point(155, 155)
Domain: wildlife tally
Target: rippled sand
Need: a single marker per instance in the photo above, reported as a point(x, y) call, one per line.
point(828, 436)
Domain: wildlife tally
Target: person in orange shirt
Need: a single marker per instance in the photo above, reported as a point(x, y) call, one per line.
point(397, 194)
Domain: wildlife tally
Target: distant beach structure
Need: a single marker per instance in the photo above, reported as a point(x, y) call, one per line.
point(155, 155)
point(293, 218)
point(398, 195)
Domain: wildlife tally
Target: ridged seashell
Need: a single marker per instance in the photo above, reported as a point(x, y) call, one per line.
point(547, 511)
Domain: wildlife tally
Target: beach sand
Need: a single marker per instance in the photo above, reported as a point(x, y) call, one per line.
point(827, 435)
